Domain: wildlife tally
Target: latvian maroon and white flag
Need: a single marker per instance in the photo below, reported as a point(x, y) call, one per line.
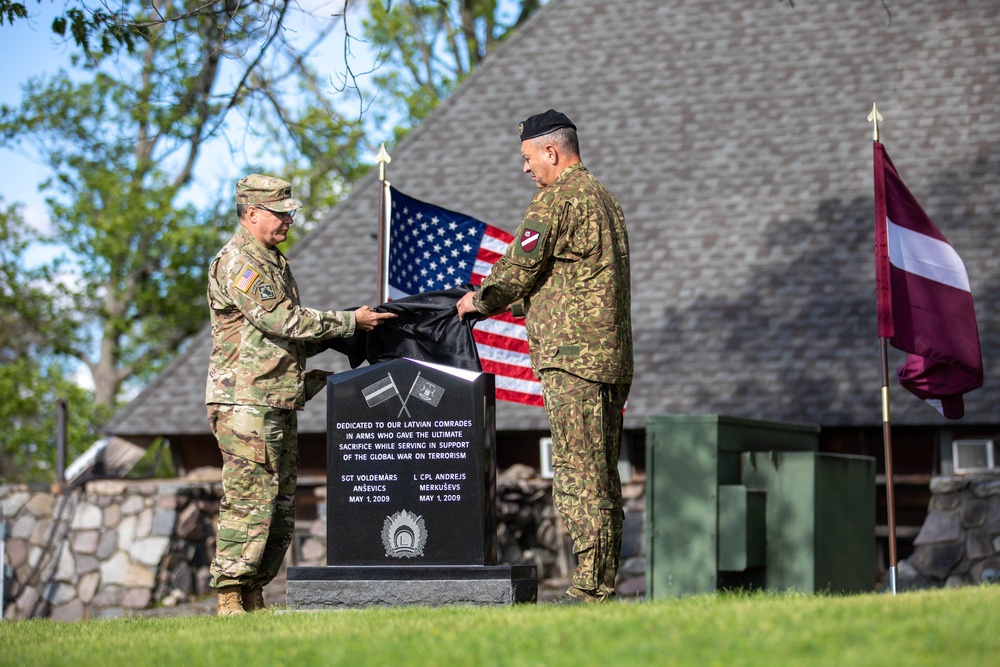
point(923, 296)
point(432, 248)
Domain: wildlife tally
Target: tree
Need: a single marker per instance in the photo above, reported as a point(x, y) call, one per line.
point(123, 146)
point(430, 46)
point(32, 380)
point(426, 46)
point(86, 22)
point(319, 149)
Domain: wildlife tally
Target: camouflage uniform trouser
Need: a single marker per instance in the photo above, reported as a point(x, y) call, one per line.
point(260, 460)
point(586, 422)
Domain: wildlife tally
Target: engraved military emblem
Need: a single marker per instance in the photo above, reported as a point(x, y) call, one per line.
point(404, 535)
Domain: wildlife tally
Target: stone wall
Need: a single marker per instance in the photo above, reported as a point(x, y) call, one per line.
point(959, 543)
point(105, 548)
point(109, 548)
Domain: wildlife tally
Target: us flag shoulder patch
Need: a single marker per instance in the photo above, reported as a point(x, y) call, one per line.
point(247, 278)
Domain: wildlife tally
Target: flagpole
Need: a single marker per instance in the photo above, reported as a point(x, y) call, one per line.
point(384, 207)
point(890, 496)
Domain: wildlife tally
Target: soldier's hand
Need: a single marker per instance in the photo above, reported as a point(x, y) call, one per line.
point(465, 305)
point(367, 319)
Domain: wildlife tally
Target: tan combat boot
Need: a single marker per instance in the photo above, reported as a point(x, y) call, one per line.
point(230, 601)
point(253, 599)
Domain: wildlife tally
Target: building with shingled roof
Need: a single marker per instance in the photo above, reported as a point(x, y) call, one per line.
point(734, 136)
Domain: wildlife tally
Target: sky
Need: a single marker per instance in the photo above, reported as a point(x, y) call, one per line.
point(28, 51)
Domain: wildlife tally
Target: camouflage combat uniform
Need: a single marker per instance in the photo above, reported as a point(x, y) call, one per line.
point(261, 338)
point(569, 262)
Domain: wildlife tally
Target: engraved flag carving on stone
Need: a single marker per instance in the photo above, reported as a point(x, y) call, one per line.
point(380, 392)
point(529, 239)
point(427, 391)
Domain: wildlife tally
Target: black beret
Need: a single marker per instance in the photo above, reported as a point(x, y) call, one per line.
point(543, 123)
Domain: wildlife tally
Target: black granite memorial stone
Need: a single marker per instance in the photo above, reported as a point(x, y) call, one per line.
point(410, 466)
point(411, 494)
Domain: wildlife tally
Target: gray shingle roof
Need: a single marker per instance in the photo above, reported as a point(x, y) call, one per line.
point(734, 135)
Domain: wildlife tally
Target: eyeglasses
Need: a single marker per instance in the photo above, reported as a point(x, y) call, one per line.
point(290, 214)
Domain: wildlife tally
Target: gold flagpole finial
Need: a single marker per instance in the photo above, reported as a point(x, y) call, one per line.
point(383, 159)
point(876, 118)
point(384, 208)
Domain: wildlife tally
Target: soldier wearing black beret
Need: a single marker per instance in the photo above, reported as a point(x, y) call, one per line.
point(544, 123)
point(567, 271)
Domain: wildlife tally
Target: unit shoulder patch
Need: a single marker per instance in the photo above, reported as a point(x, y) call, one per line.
point(531, 239)
point(266, 292)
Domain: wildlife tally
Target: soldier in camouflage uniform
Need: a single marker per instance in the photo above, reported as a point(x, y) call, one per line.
point(261, 338)
point(567, 271)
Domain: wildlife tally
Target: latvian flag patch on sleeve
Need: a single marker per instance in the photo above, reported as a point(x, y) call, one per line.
point(246, 279)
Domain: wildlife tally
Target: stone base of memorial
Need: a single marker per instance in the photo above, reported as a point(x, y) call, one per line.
point(411, 493)
point(344, 587)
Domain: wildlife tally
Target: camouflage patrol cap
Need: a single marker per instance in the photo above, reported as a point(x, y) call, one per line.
point(267, 192)
point(543, 123)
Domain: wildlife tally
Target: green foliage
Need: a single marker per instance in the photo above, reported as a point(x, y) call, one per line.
point(319, 148)
point(111, 32)
point(137, 253)
point(32, 380)
point(946, 628)
point(430, 46)
point(85, 23)
point(9, 11)
point(29, 394)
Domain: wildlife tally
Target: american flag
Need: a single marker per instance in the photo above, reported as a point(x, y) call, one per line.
point(431, 248)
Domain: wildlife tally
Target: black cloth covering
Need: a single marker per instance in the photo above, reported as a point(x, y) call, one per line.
point(426, 328)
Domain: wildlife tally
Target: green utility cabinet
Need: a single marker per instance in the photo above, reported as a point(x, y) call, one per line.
point(739, 503)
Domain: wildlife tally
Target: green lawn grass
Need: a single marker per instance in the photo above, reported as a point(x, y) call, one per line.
point(946, 627)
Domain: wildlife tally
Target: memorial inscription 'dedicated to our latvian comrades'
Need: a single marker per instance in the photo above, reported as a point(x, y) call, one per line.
point(410, 465)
